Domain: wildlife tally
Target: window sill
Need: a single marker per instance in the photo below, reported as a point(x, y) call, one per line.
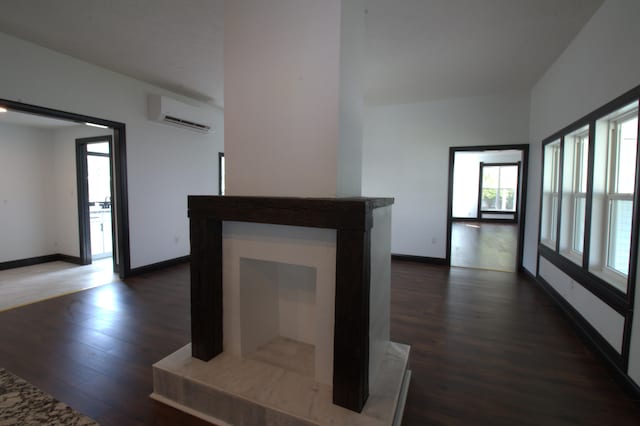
point(572, 256)
point(549, 243)
point(613, 279)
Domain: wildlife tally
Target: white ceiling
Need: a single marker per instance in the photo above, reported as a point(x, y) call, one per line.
point(417, 49)
point(434, 49)
point(31, 120)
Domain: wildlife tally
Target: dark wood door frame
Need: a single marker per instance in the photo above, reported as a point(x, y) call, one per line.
point(121, 199)
point(82, 173)
point(522, 203)
point(220, 173)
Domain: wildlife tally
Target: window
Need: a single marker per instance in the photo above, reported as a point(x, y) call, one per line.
point(574, 194)
point(613, 194)
point(499, 187)
point(622, 186)
point(550, 194)
point(221, 173)
point(589, 208)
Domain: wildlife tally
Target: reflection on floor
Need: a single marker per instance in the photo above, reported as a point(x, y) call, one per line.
point(22, 286)
point(484, 245)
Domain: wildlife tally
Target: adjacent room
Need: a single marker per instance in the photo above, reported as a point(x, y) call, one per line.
point(490, 149)
point(41, 203)
point(486, 208)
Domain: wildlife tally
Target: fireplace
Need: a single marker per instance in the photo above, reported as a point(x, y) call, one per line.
point(278, 300)
point(279, 283)
point(278, 320)
point(301, 287)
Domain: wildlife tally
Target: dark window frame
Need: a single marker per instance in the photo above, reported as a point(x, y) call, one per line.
point(514, 213)
point(84, 233)
point(621, 302)
point(557, 194)
point(220, 176)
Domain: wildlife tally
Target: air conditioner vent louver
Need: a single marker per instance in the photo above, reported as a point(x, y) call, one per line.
point(170, 111)
point(187, 123)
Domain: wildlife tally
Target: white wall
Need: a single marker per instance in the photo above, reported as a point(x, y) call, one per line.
point(634, 350)
point(288, 120)
point(600, 64)
point(406, 156)
point(165, 164)
point(608, 322)
point(351, 106)
point(25, 183)
point(466, 178)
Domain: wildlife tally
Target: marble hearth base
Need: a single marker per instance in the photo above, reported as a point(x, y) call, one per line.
point(256, 391)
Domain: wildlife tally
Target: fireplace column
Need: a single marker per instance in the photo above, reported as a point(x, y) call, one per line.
point(293, 91)
point(293, 149)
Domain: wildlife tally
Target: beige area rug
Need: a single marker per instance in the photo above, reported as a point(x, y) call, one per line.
point(21, 403)
point(23, 286)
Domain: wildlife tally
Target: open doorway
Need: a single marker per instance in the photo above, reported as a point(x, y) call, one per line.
point(487, 193)
point(118, 203)
point(95, 190)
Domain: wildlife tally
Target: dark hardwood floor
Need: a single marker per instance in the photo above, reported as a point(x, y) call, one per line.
point(488, 348)
point(483, 245)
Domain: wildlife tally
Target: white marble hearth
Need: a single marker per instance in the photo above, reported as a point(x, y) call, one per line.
point(275, 386)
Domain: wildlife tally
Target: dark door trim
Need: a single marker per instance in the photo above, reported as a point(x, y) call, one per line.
point(522, 203)
point(220, 176)
point(121, 199)
point(84, 226)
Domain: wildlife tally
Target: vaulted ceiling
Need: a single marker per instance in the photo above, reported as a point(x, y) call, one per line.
point(417, 50)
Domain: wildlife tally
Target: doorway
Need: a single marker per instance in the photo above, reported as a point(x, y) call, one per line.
point(95, 191)
point(119, 202)
point(486, 205)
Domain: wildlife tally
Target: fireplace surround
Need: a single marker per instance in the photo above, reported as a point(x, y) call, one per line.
point(289, 314)
point(352, 220)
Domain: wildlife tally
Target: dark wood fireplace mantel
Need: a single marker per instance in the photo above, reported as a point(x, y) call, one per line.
point(352, 218)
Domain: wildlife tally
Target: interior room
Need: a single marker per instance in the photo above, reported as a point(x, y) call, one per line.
point(40, 164)
point(486, 208)
point(40, 200)
point(491, 145)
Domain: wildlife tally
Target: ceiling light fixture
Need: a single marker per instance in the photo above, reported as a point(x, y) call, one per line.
point(100, 126)
point(3, 109)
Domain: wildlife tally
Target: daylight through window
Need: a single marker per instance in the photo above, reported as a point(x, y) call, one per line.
point(499, 187)
point(550, 194)
point(589, 190)
point(574, 194)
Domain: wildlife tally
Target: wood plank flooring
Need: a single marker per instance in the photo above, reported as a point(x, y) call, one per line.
point(21, 286)
point(482, 245)
point(488, 348)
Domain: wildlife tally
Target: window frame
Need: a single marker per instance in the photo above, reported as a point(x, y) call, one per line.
point(554, 194)
point(586, 275)
point(576, 145)
point(612, 194)
point(580, 150)
point(221, 173)
point(514, 212)
point(612, 295)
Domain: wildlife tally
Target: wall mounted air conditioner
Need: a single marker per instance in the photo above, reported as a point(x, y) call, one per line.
point(175, 113)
